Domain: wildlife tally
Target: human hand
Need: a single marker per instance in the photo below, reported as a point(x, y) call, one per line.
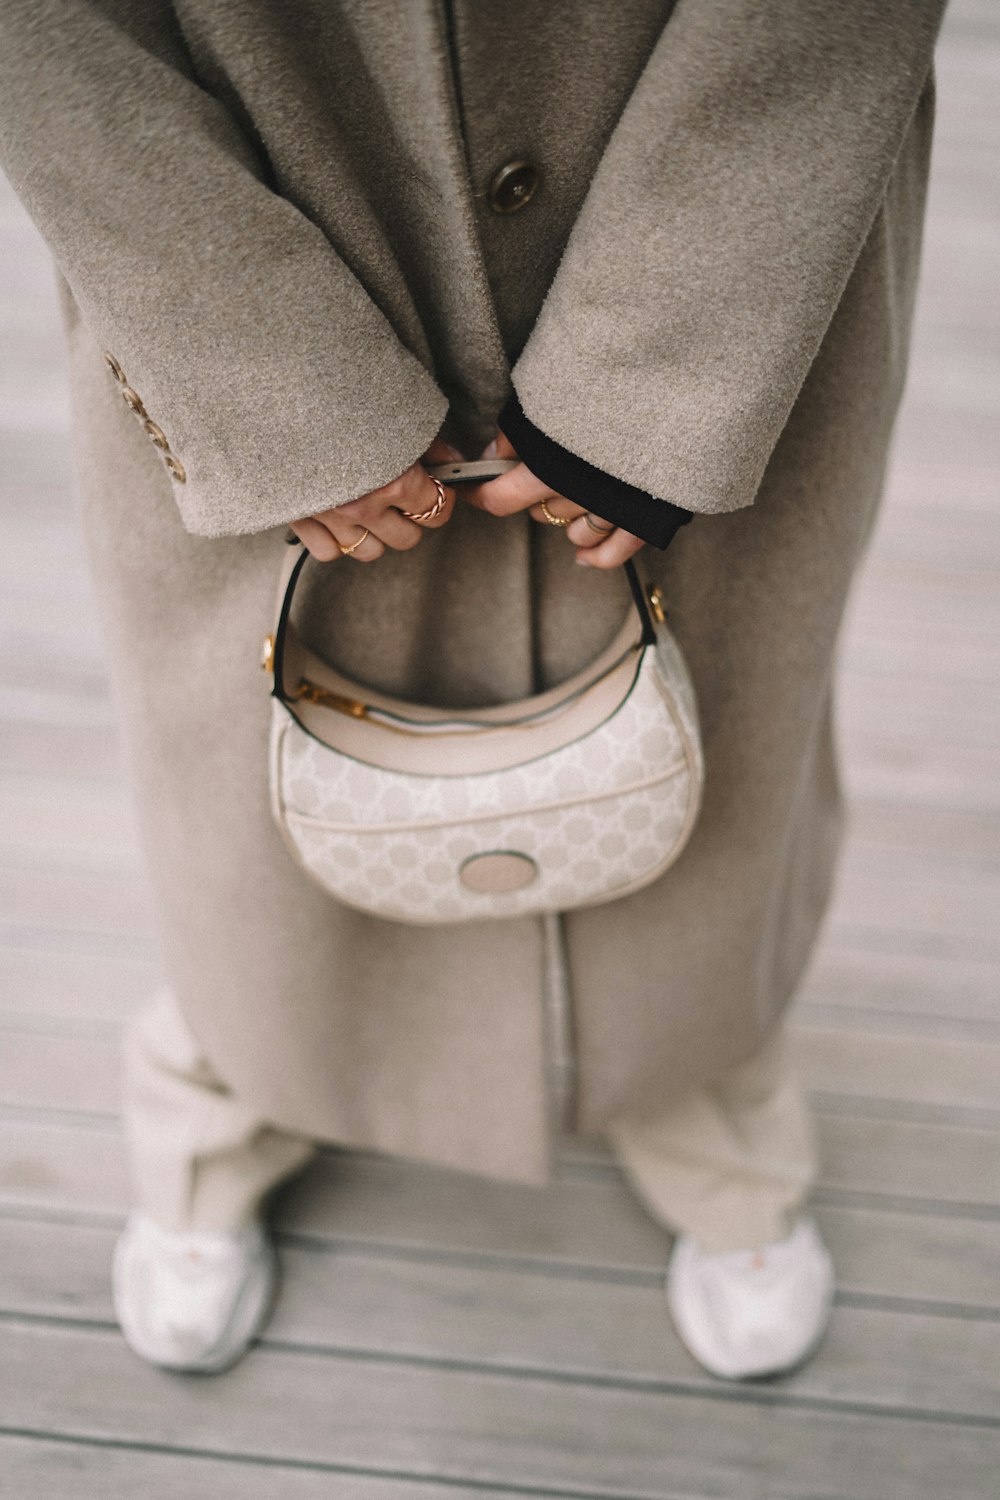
point(598, 544)
point(328, 533)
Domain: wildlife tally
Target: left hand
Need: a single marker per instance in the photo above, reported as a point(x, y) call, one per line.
point(519, 489)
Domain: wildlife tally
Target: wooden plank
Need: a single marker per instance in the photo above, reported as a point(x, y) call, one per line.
point(573, 1225)
point(41, 985)
point(876, 985)
point(849, 986)
point(43, 1068)
point(83, 754)
point(63, 1072)
point(930, 830)
point(45, 1469)
point(469, 1426)
point(890, 892)
point(67, 823)
point(63, 1167)
point(518, 1319)
point(925, 1162)
point(103, 903)
point(897, 1159)
point(889, 897)
point(927, 1071)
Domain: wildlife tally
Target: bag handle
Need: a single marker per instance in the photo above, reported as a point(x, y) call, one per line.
point(294, 573)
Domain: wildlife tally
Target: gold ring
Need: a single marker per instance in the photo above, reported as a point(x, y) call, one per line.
point(436, 508)
point(553, 520)
point(601, 530)
point(346, 551)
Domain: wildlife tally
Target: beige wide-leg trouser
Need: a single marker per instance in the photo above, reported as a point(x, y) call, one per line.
point(730, 1165)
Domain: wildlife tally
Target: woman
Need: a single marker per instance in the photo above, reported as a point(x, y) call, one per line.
point(664, 255)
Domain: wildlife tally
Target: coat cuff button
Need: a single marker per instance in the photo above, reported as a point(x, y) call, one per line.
point(175, 468)
point(156, 435)
point(115, 368)
point(133, 400)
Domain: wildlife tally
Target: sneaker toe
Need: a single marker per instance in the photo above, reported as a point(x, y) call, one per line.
point(191, 1302)
point(744, 1315)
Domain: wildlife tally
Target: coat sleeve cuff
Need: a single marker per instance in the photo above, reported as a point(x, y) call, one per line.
point(615, 500)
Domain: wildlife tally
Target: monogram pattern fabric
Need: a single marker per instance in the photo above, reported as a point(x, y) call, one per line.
point(602, 815)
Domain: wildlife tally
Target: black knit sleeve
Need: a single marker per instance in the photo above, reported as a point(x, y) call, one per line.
point(634, 510)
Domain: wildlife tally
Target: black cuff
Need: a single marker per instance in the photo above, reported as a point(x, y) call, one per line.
point(612, 499)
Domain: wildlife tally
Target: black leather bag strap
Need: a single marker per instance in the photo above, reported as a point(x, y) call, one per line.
point(278, 689)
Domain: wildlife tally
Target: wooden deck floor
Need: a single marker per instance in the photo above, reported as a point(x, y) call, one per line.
point(442, 1338)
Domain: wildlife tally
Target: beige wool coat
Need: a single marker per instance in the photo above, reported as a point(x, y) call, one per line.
point(280, 221)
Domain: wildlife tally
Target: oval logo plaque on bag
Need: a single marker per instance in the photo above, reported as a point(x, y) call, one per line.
point(497, 872)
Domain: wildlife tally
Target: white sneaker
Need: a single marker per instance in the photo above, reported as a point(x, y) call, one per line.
point(752, 1312)
point(195, 1300)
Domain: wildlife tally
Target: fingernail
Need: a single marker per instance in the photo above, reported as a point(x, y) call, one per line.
point(490, 451)
point(582, 561)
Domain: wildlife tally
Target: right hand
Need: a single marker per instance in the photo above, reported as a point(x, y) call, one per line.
point(380, 512)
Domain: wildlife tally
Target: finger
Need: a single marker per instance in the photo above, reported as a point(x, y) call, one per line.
point(582, 534)
point(363, 548)
point(415, 492)
point(392, 528)
point(426, 501)
point(317, 540)
point(560, 508)
point(441, 452)
point(612, 552)
point(381, 510)
point(499, 447)
point(514, 491)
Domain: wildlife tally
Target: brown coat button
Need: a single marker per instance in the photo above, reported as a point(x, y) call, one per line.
point(133, 400)
point(513, 186)
point(115, 368)
point(175, 468)
point(156, 434)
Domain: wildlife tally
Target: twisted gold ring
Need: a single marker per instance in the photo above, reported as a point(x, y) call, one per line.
point(436, 508)
point(601, 530)
point(553, 520)
point(346, 551)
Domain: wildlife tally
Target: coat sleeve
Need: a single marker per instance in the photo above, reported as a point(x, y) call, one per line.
point(210, 291)
point(717, 237)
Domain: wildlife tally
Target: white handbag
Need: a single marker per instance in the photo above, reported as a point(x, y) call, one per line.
point(572, 797)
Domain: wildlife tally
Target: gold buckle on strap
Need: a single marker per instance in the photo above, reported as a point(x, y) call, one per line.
point(313, 693)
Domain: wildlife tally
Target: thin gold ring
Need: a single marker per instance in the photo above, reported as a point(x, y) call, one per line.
point(436, 508)
point(601, 530)
point(553, 520)
point(346, 551)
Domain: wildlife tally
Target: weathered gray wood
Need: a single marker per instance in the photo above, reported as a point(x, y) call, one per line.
point(585, 1227)
point(45, 1069)
point(865, 980)
point(470, 1426)
point(47, 986)
point(40, 1469)
point(925, 1070)
point(83, 754)
point(109, 903)
point(61, 1166)
point(909, 1161)
point(871, 1154)
point(851, 986)
point(62, 822)
point(59, 1072)
point(516, 1318)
